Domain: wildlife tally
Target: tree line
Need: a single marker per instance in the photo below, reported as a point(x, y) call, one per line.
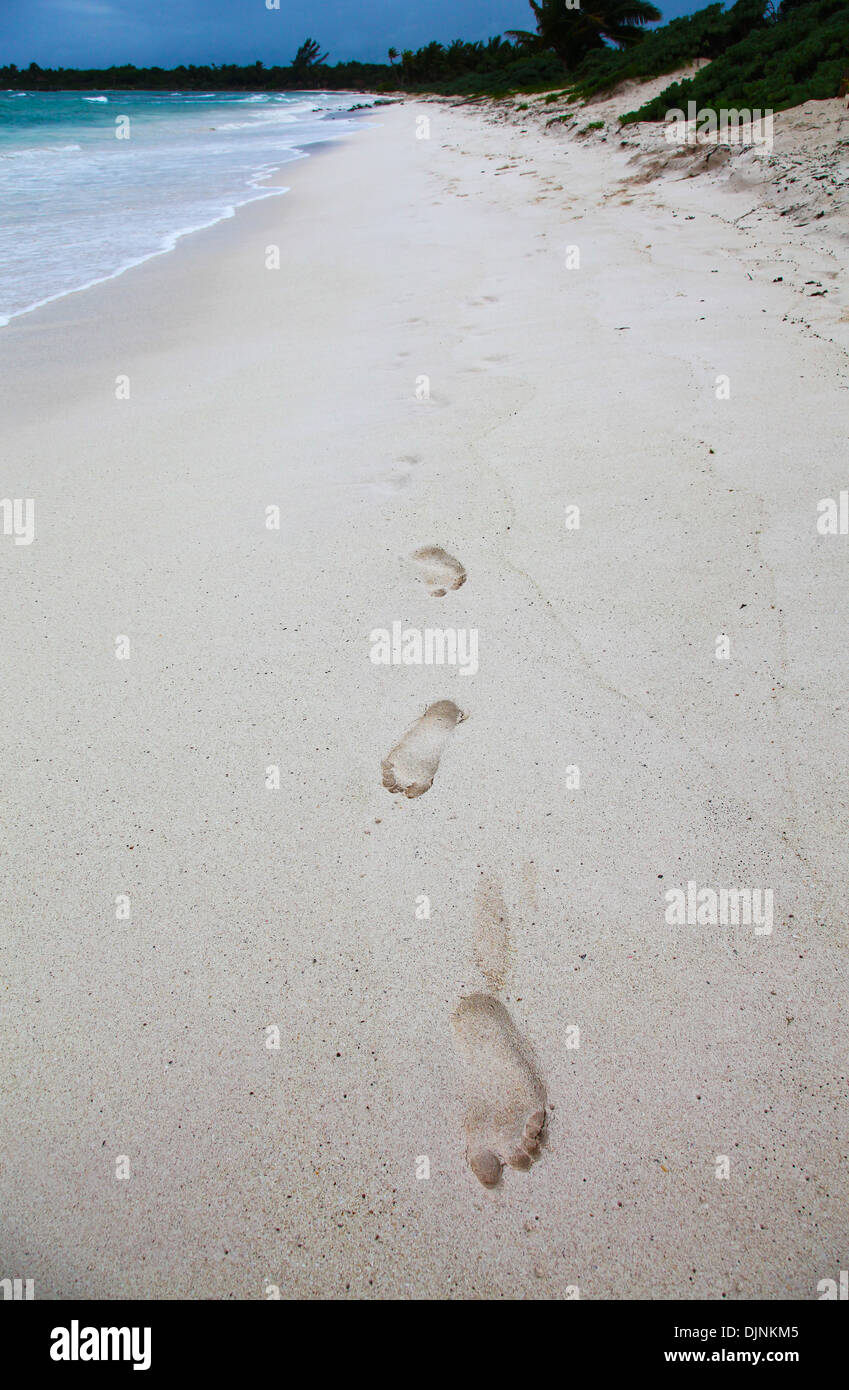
point(763, 52)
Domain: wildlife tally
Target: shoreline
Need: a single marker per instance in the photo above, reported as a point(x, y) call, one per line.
point(264, 178)
point(173, 239)
point(426, 370)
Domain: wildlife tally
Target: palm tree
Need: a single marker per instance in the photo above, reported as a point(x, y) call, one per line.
point(393, 55)
point(574, 32)
point(308, 56)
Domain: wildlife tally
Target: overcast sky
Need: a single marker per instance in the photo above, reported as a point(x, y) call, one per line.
point(96, 33)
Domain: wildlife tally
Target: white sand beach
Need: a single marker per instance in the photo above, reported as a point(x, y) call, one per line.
point(431, 367)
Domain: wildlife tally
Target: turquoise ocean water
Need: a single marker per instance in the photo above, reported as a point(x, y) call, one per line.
point(78, 204)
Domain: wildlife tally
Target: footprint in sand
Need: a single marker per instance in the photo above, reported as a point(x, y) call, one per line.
point(411, 765)
point(438, 570)
point(505, 1120)
point(506, 1115)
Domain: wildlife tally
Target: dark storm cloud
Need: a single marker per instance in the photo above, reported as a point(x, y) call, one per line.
point(95, 33)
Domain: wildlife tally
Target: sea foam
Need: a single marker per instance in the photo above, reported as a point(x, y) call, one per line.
point(81, 206)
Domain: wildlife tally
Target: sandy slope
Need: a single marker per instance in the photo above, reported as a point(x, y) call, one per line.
point(296, 908)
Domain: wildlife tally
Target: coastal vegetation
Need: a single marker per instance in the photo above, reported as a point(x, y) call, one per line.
point(573, 31)
point(800, 53)
point(760, 53)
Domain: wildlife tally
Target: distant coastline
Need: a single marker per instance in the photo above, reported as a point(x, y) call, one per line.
point(227, 77)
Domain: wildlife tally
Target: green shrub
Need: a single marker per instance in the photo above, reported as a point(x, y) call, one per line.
point(802, 56)
point(705, 34)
